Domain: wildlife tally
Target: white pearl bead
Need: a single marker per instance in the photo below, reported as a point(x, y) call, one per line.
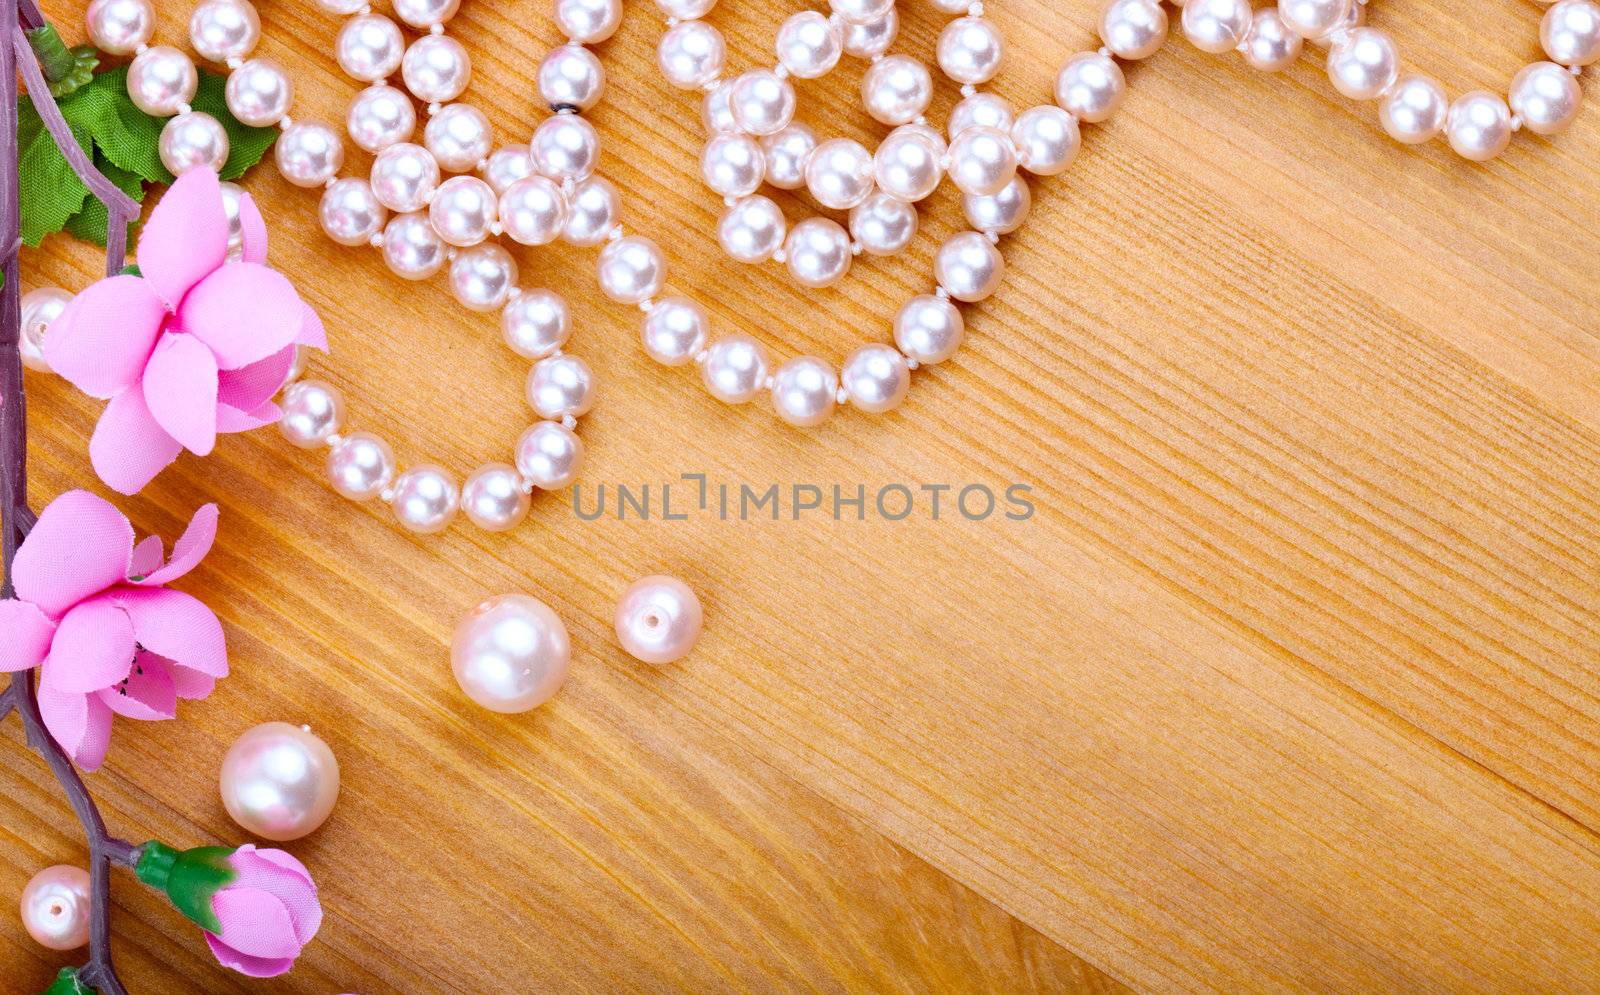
point(817, 252)
point(535, 323)
point(1479, 125)
point(369, 47)
point(511, 654)
point(313, 412)
point(533, 211)
point(120, 27)
point(907, 165)
point(360, 466)
point(426, 499)
point(380, 116)
point(56, 908)
point(162, 80)
point(859, 11)
point(411, 247)
point(896, 89)
point(1355, 17)
point(929, 329)
point(341, 8)
point(1046, 138)
point(839, 173)
point(1414, 110)
point(982, 161)
point(971, 50)
point(458, 136)
point(981, 110)
point(870, 39)
point(1090, 87)
point(1133, 29)
point(221, 30)
point(279, 781)
point(804, 391)
point(1570, 32)
point(716, 111)
point(658, 620)
point(1271, 45)
point(232, 205)
point(883, 224)
point(462, 210)
point(560, 386)
point(193, 139)
point(691, 54)
point(686, 10)
point(404, 176)
point(493, 498)
point(549, 455)
point(508, 165)
point(752, 230)
point(1363, 64)
point(1001, 213)
point(588, 22)
point(876, 378)
point(809, 45)
point(1547, 97)
point(482, 277)
point(436, 69)
point(593, 214)
point(259, 93)
point(424, 14)
point(762, 102)
point(309, 154)
point(733, 165)
point(40, 308)
point(675, 331)
point(631, 269)
point(786, 154)
point(350, 212)
point(735, 368)
point(565, 147)
point(1313, 18)
point(968, 267)
point(571, 76)
point(1216, 25)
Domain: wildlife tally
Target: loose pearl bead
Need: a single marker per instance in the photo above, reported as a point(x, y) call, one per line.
point(686, 10)
point(1271, 45)
point(1546, 96)
point(658, 620)
point(1216, 25)
point(424, 14)
point(786, 155)
point(883, 224)
point(533, 211)
point(493, 498)
point(595, 204)
point(162, 80)
point(735, 368)
point(839, 173)
point(804, 391)
point(426, 499)
point(896, 90)
point(1046, 138)
point(1313, 18)
point(360, 466)
point(193, 139)
point(224, 29)
point(511, 654)
point(876, 378)
point(929, 329)
point(1090, 87)
point(870, 39)
point(313, 412)
point(733, 165)
point(506, 166)
point(56, 907)
point(380, 116)
point(549, 455)
point(1001, 213)
point(571, 76)
point(1414, 110)
point(675, 331)
point(412, 249)
point(259, 93)
point(1133, 29)
point(1570, 32)
point(752, 230)
point(970, 50)
point(436, 69)
point(981, 110)
point(761, 102)
point(1479, 125)
point(120, 27)
point(861, 11)
point(279, 781)
point(968, 267)
point(535, 323)
point(565, 147)
point(369, 47)
point(482, 277)
point(691, 54)
point(907, 165)
point(462, 210)
point(1363, 64)
point(982, 161)
point(458, 137)
point(309, 154)
point(40, 308)
point(588, 22)
point(404, 177)
point(560, 386)
point(631, 269)
point(809, 45)
point(818, 252)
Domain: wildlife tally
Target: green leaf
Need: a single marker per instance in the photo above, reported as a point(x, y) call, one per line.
point(67, 983)
point(130, 138)
point(49, 190)
point(246, 145)
point(90, 223)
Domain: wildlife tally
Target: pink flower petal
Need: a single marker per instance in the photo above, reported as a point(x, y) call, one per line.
point(81, 724)
point(148, 694)
point(189, 550)
point(249, 386)
point(180, 389)
point(78, 544)
point(234, 420)
point(178, 626)
point(147, 556)
point(254, 922)
point(102, 340)
point(252, 967)
point(191, 684)
point(244, 312)
point(128, 448)
point(287, 879)
point(27, 635)
point(186, 238)
point(92, 649)
point(312, 333)
point(253, 229)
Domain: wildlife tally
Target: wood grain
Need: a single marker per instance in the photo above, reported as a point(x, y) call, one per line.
point(1291, 682)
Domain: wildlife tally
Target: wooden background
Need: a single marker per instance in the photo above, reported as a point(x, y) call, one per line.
point(1291, 683)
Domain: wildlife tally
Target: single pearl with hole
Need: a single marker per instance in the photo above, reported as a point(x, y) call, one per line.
point(658, 620)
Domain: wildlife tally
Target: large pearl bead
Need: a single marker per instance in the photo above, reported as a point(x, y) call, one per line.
point(1546, 96)
point(119, 27)
point(981, 110)
point(411, 248)
point(425, 499)
point(1363, 63)
point(360, 466)
point(494, 499)
point(733, 165)
point(882, 224)
point(533, 210)
point(631, 269)
point(1090, 86)
point(593, 213)
point(896, 90)
point(350, 212)
point(691, 54)
point(1133, 29)
point(762, 102)
point(675, 331)
point(483, 277)
point(436, 69)
point(224, 29)
point(535, 323)
point(1313, 18)
point(193, 139)
point(786, 155)
point(565, 147)
point(40, 308)
point(870, 39)
point(571, 76)
point(508, 165)
point(1570, 32)
point(309, 154)
point(259, 93)
point(968, 267)
point(560, 386)
point(982, 161)
point(1004, 212)
point(804, 391)
point(907, 166)
point(459, 137)
point(1216, 25)
point(929, 329)
point(752, 229)
point(1271, 45)
point(970, 50)
point(839, 173)
point(818, 252)
point(369, 47)
point(404, 177)
point(56, 908)
point(511, 653)
point(313, 412)
point(588, 22)
point(1479, 125)
point(658, 620)
point(1047, 139)
point(549, 455)
point(279, 781)
point(876, 378)
point(162, 80)
point(735, 368)
point(1414, 109)
point(380, 116)
point(809, 44)
point(462, 210)
point(424, 14)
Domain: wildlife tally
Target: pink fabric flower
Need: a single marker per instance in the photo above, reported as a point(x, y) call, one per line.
point(268, 913)
point(92, 610)
point(192, 346)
